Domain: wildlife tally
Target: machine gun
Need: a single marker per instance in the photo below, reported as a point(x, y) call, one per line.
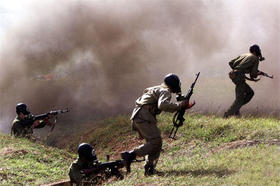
point(99, 171)
point(178, 118)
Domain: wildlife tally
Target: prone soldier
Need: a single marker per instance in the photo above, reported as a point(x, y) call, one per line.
point(87, 170)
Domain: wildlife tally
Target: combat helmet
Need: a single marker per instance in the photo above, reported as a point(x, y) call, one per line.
point(85, 150)
point(255, 48)
point(22, 108)
point(173, 82)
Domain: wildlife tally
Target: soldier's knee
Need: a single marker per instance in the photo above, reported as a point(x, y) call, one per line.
point(157, 143)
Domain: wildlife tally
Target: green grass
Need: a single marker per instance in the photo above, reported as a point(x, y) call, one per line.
point(249, 166)
point(209, 150)
point(200, 155)
point(24, 162)
point(219, 130)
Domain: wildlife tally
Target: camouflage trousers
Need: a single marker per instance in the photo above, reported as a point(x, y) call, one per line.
point(151, 133)
point(243, 94)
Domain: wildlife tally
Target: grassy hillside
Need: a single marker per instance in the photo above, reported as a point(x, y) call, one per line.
point(23, 162)
point(209, 150)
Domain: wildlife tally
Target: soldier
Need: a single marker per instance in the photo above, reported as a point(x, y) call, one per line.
point(23, 125)
point(88, 170)
point(78, 169)
point(244, 64)
point(151, 103)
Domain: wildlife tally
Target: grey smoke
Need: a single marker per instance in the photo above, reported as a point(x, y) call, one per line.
point(102, 54)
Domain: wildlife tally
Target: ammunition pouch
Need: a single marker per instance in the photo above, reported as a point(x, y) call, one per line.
point(237, 77)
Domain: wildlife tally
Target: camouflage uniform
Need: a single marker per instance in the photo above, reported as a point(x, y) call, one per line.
point(151, 103)
point(22, 127)
point(244, 64)
point(75, 174)
point(75, 171)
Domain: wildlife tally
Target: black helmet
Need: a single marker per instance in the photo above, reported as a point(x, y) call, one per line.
point(173, 82)
point(21, 107)
point(255, 48)
point(85, 150)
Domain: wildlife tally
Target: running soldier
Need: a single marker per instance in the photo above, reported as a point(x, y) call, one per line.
point(151, 103)
point(244, 64)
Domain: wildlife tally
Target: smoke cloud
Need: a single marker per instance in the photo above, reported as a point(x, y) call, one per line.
point(96, 57)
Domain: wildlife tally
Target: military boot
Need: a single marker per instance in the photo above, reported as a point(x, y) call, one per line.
point(128, 157)
point(237, 114)
point(149, 170)
point(226, 115)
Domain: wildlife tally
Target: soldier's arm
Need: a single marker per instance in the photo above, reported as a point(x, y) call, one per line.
point(75, 173)
point(165, 104)
point(40, 124)
point(255, 72)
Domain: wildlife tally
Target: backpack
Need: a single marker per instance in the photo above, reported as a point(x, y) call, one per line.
point(235, 62)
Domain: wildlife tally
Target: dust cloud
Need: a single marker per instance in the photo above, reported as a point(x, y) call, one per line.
point(96, 57)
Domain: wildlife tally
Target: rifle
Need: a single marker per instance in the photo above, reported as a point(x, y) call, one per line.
point(178, 118)
point(265, 74)
point(31, 118)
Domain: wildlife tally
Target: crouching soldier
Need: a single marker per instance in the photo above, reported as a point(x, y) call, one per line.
point(24, 124)
point(151, 103)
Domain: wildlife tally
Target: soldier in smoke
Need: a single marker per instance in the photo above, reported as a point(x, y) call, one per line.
point(244, 64)
point(23, 124)
point(151, 103)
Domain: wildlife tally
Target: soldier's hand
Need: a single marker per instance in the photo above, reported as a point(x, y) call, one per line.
point(35, 124)
point(260, 73)
point(186, 105)
point(47, 122)
point(50, 116)
point(88, 171)
point(190, 105)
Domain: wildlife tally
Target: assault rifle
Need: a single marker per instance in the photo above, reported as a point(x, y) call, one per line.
point(178, 118)
point(261, 74)
point(265, 74)
point(31, 118)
